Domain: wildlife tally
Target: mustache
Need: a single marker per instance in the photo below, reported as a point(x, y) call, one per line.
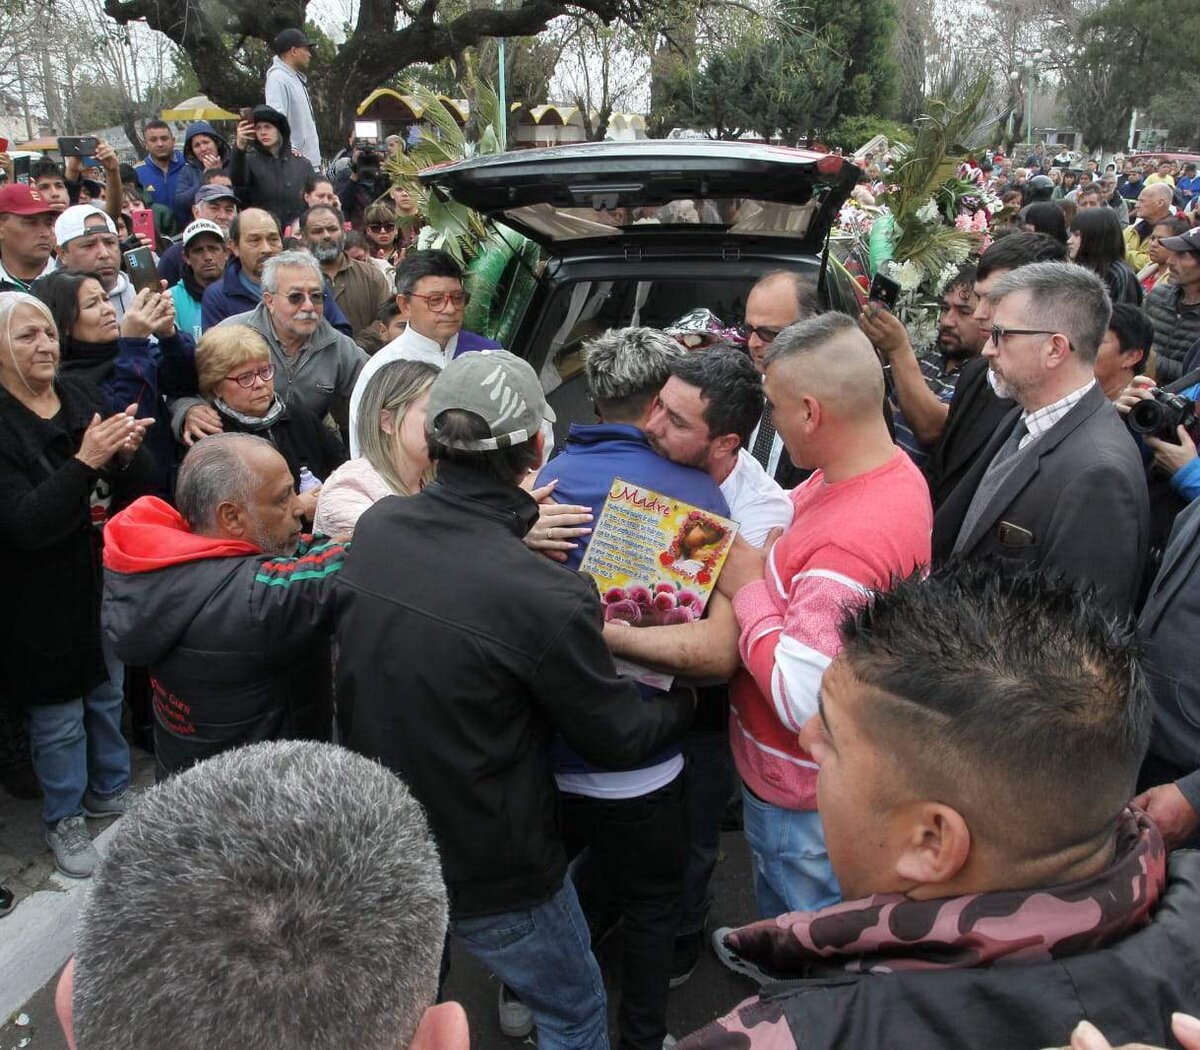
point(307, 315)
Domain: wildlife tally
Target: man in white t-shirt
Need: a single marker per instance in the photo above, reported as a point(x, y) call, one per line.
point(429, 292)
point(703, 417)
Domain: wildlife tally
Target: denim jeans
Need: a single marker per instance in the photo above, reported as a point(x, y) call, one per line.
point(631, 864)
point(711, 783)
point(544, 954)
point(77, 746)
point(791, 866)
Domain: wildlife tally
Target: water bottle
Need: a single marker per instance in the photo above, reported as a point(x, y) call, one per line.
point(308, 481)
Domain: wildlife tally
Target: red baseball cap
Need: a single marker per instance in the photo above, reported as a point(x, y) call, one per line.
point(19, 199)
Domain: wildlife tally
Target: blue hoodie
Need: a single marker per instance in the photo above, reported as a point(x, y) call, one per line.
point(188, 181)
point(596, 454)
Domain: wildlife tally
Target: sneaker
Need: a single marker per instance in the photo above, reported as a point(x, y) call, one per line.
point(74, 854)
point(685, 957)
point(732, 961)
point(106, 807)
point(516, 1019)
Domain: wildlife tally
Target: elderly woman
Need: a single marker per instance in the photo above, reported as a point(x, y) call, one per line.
point(391, 435)
point(237, 379)
point(66, 460)
point(131, 362)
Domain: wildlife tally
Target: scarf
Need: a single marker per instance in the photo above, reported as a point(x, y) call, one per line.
point(890, 932)
point(251, 424)
point(191, 285)
point(93, 362)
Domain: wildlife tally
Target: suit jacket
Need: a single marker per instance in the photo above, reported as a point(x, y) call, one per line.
point(1079, 491)
point(975, 412)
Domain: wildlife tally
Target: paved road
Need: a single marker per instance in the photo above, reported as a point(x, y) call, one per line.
point(711, 991)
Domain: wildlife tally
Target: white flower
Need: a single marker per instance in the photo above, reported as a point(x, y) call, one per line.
point(928, 212)
point(907, 274)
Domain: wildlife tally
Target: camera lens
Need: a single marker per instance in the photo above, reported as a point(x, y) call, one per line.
point(1146, 417)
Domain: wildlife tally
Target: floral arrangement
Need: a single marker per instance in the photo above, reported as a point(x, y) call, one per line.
point(654, 605)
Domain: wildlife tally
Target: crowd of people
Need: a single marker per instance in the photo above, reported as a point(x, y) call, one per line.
point(316, 536)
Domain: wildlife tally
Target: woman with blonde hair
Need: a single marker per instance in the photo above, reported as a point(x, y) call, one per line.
point(236, 378)
point(391, 435)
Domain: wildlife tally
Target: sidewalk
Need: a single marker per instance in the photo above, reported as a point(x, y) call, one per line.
point(37, 935)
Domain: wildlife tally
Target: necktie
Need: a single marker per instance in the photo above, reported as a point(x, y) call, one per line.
point(1013, 443)
point(765, 438)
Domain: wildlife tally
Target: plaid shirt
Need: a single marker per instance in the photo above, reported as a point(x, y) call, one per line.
point(1043, 419)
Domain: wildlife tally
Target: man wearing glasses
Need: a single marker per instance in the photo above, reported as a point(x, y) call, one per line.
point(1060, 486)
point(429, 292)
point(315, 364)
point(778, 299)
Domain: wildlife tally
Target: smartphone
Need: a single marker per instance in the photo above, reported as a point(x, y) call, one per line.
point(21, 169)
point(3, 145)
point(884, 290)
point(78, 145)
point(142, 272)
point(246, 113)
point(143, 223)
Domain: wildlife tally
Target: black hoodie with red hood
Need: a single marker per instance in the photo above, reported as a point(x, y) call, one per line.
point(235, 640)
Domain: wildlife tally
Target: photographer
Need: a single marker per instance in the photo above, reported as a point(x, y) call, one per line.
point(266, 172)
point(365, 184)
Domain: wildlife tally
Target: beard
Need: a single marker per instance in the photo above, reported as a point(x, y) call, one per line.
point(327, 251)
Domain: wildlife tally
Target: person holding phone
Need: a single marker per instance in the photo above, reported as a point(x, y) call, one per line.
point(265, 172)
point(203, 150)
point(131, 362)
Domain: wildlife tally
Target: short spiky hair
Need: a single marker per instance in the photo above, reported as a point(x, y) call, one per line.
point(626, 367)
point(1011, 697)
point(1062, 298)
point(279, 895)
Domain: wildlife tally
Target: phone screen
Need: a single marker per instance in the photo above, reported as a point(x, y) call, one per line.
point(140, 264)
point(884, 290)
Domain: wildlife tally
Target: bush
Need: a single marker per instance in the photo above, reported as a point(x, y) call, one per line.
point(851, 132)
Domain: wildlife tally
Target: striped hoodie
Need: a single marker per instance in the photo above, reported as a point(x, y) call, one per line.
point(845, 540)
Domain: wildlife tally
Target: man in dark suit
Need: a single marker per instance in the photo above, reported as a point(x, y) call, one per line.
point(975, 410)
point(1060, 485)
point(777, 300)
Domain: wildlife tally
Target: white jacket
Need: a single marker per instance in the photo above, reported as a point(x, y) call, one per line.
point(286, 92)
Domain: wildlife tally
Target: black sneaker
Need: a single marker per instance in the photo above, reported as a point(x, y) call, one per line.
point(687, 953)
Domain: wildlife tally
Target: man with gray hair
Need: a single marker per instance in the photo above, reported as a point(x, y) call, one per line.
point(861, 520)
point(637, 812)
point(1060, 487)
point(281, 895)
point(315, 365)
point(208, 597)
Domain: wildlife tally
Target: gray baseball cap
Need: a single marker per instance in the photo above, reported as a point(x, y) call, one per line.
point(497, 386)
point(1185, 242)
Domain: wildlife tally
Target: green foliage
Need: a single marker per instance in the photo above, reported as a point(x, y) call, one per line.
point(1129, 49)
point(860, 32)
point(851, 132)
point(1175, 109)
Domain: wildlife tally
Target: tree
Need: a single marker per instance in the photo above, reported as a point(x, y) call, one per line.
point(600, 71)
point(388, 36)
point(860, 33)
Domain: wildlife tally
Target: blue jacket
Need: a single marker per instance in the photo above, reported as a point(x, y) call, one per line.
point(230, 296)
point(595, 454)
point(188, 180)
point(160, 188)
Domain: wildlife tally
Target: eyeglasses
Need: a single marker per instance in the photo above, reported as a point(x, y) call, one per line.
point(296, 298)
point(999, 333)
point(764, 333)
point(246, 379)
point(381, 227)
point(440, 300)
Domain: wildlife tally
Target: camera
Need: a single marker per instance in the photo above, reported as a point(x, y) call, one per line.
point(1160, 414)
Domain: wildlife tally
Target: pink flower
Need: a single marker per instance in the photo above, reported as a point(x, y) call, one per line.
point(664, 588)
point(664, 601)
point(685, 597)
point(639, 594)
point(624, 610)
point(614, 594)
point(677, 616)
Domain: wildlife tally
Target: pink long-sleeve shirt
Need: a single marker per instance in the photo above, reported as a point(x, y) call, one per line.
point(846, 539)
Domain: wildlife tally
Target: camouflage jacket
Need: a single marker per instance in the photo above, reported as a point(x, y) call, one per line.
point(1004, 969)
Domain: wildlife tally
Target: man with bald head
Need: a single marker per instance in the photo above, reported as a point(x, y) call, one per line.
point(778, 299)
point(862, 519)
point(1152, 207)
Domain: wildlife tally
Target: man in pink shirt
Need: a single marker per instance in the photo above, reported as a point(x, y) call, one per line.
point(861, 520)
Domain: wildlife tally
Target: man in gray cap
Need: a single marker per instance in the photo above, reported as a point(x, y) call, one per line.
point(287, 91)
point(462, 653)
